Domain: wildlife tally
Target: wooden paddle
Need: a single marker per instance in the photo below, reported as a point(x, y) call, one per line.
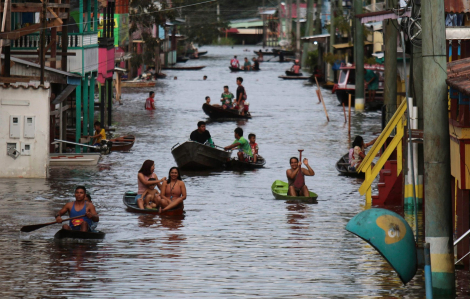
point(30, 228)
point(299, 179)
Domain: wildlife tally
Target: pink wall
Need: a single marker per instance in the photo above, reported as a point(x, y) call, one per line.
point(106, 64)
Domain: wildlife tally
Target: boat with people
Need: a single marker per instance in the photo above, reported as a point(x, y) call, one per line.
point(76, 234)
point(123, 143)
point(191, 155)
point(235, 69)
point(130, 201)
point(184, 68)
point(280, 188)
point(236, 164)
point(292, 73)
point(343, 167)
point(217, 112)
point(347, 83)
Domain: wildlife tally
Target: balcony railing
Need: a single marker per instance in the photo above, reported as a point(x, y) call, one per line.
point(75, 40)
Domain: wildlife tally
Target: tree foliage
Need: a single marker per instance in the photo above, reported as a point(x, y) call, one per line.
point(143, 15)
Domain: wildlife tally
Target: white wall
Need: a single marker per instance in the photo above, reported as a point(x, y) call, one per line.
point(25, 102)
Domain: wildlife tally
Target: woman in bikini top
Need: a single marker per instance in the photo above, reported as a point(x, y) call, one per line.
point(173, 191)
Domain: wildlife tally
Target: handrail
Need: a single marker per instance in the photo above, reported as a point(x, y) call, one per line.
point(461, 238)
point(397, 122)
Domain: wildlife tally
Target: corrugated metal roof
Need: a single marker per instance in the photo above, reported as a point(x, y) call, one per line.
point(458, 75)
point(35, 65)
point(457, 6)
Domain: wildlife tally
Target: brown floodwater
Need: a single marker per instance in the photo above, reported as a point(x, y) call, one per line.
point(235, 240)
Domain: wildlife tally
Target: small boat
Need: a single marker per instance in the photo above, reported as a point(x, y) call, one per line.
point(202, 53)
point(215, 112)
point(343, 167)
point(182, 59)
point(138, 84)
point(264, 53)
point(234, 69)
point(291, 73)
point(122, 144)
point(192, 155)
point(160, 76)
point(280, 188)
point(236, 164)
point(130, 201)
point(76, 234)
point(74, 159)
point(184, 68)
point(294, 77)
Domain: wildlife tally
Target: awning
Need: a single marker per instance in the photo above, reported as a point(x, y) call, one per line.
point(64, 94)
point(231, 30)
point(268, 12)
point(457, 33)
point(119, 69)
point(375, 26)
point(250, 31)
point(347, 45)
point(322, 38)
point(378, 16)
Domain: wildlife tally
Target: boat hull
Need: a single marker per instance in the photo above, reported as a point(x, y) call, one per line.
point(234, 69)
point(294, 77)
point(137, 84)
point(73, 159)
point(220, 113)
point(280, 188)
point(130, 202)
point(343, 169)
point(184, 68)
point(122, 144)
point(74, 234)
point(192, 155)
point(290, 73)
point(235, 164)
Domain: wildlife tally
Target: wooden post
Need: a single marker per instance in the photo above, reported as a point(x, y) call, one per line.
point(349, 108)
point(323, 102)
point(344, 110)
point(53, 47)
point(64, 43)
point(42, 53)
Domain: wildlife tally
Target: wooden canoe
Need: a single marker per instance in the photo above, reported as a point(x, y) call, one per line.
point(291, 73)
point(235, 164)
point(136, 84)
point(184, 68)
point(75, 234)
point(294, 77)
point(280, 188)
point(182, 59)
point(343, 167)
point(264, 53)
point(130, 202)
point(122, 144)
point(202, 53)
point(215, 112)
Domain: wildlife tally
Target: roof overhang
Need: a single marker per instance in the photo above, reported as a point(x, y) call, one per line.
point(347, 45)
point(457, 33)
point(378, 16)
point(322, 38)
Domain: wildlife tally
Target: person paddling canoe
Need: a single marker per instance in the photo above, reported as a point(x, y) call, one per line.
point(293, 172)
point(77, 208)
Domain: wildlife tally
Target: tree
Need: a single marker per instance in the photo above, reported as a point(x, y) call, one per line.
point(143, 15)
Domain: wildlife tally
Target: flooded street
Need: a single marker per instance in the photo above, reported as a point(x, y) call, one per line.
point(235, 240)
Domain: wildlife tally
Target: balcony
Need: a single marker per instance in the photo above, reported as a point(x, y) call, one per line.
point(75, 41)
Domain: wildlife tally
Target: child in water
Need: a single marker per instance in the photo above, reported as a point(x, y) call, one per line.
point(151, 196)
point(93, 223)
point(254, 146)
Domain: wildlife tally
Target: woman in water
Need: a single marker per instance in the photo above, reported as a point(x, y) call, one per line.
point(357, 152)
point(145, 173)
point(173, 191)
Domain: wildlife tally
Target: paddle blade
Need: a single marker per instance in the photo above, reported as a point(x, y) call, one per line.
point(30, 228)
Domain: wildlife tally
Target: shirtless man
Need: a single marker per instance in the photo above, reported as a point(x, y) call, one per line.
point(291, 173)
point(77, 208)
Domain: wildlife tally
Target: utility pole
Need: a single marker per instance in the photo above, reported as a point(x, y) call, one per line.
point(289, 22)
point(218, 20)
point(281, 30)
point(42, 53)
point(359, 56)
point(438, 206)
point(390, 84)
point(264, 26)
point(297, 32)
point(308, 32)
point(331, 75)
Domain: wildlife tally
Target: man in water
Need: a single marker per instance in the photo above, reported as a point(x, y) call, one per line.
point(241, 96)
point(244, 149)
point(295, 167)
point(234, 62)
point(150, 102)
point(79, 207)
point(201, 135)
point(255, 64)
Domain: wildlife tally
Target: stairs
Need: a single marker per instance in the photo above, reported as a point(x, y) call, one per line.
point(390, 186)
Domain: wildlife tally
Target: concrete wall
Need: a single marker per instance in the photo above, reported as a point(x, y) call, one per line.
point(23, 103)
